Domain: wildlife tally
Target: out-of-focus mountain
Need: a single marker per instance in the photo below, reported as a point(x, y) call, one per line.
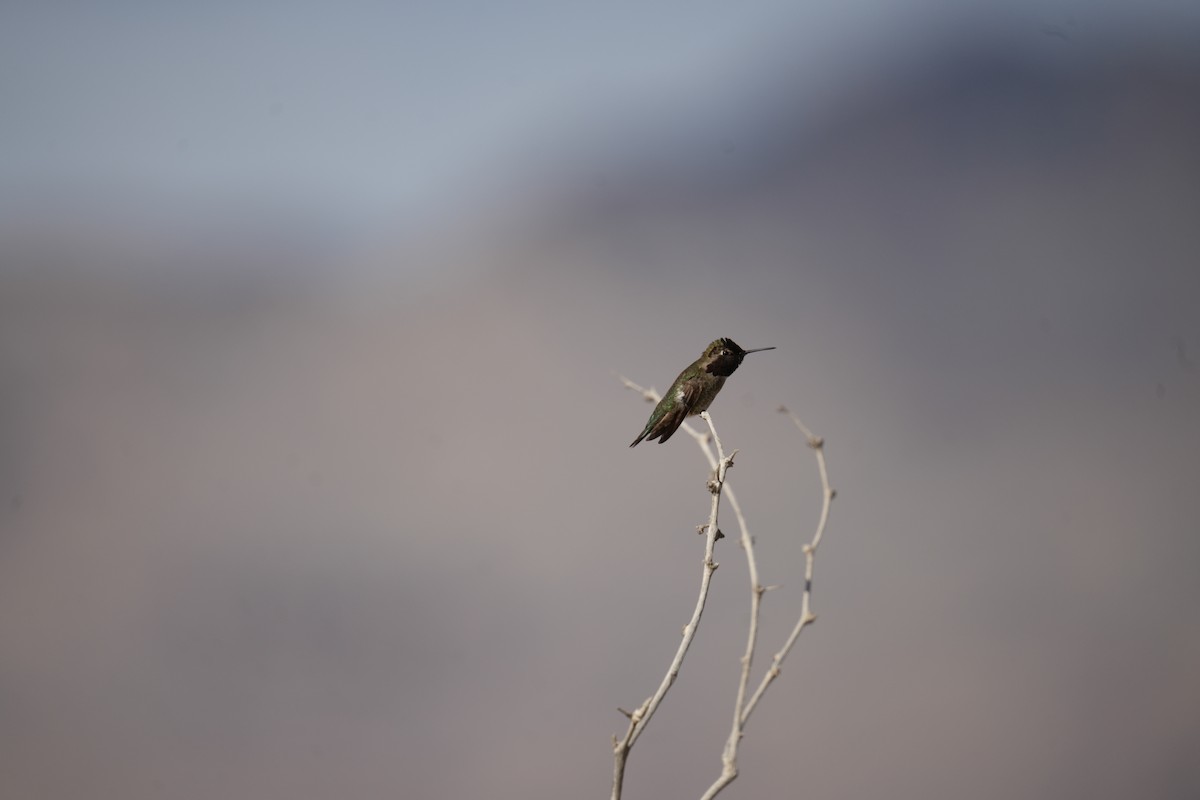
point(287, 513)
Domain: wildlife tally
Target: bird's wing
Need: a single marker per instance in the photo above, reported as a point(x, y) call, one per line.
point(689, 396)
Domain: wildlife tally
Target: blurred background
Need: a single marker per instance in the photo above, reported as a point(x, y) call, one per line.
point(314, 468)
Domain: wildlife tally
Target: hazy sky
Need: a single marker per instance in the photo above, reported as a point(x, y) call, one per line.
point(389, 113)
point(374, 106)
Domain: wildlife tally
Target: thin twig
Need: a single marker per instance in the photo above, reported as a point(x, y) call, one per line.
point(742, 709)
point(810, 554)
point(639, 718)
point(729, 769)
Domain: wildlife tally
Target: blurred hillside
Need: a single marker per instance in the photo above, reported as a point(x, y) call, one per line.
point(296, 508)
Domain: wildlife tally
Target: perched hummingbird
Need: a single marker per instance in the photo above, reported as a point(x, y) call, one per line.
point(695, 389)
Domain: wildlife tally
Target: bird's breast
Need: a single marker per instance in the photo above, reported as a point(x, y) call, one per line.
point(708, 393)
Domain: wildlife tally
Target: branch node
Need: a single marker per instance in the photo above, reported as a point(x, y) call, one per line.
point(628, 714)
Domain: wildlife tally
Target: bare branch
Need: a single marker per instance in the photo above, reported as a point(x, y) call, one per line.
point(640, 718)
point(729, 756)
point(810, 555)
point(742, 708)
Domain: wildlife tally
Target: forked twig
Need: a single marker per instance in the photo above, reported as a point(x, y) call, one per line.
point(743, 708)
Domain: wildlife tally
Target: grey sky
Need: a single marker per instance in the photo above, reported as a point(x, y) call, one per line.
point(393, 112)
point(371, 105)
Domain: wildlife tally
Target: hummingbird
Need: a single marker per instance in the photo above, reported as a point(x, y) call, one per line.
point(695, 389)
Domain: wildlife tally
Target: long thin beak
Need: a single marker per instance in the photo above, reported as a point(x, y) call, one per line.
point(759, 349)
